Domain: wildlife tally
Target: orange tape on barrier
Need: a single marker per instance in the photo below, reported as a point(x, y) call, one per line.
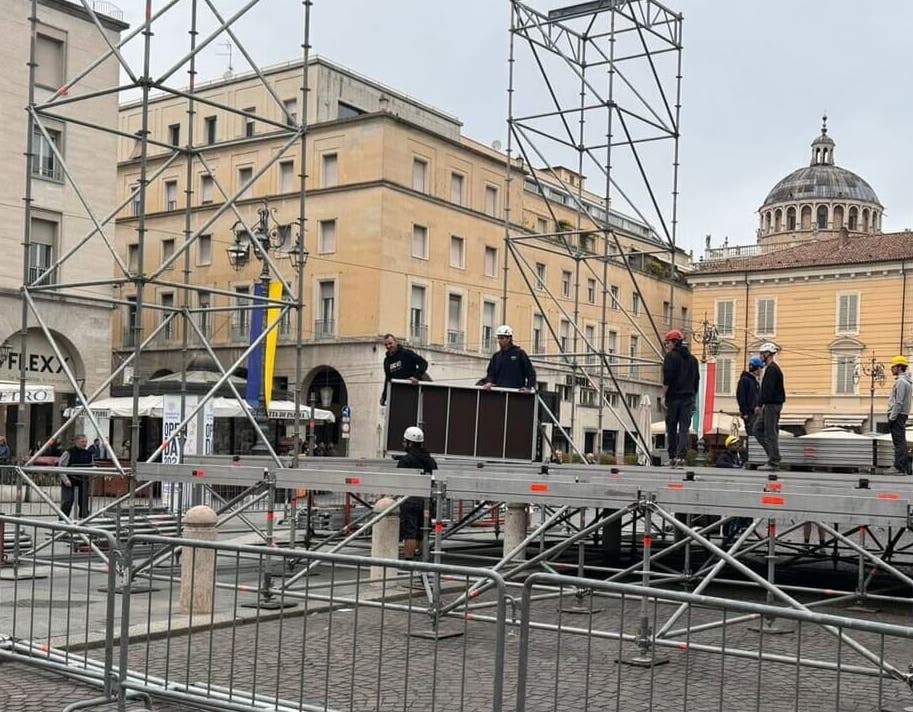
point(888, 495)
point(773, 501)
point(648, 542)
point(774, 486)
point(538, 487)
point(675, 485)
point(353, 481)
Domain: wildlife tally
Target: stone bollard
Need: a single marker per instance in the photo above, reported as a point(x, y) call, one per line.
point(198, 566)
point(515, 529)
point(384, 540)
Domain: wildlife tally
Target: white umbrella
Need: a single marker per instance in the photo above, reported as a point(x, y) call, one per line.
point(643, 424)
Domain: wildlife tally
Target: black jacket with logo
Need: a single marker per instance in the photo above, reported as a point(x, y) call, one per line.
point(511, 368)
point(402, 363)
point(417, 458)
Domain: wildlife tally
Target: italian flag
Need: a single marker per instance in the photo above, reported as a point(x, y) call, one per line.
point(702, 422)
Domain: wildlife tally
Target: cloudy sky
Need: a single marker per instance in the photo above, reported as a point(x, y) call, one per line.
point(757, 76)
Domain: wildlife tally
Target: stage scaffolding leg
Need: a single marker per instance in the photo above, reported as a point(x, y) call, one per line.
point(767, 624)
point(860, 604)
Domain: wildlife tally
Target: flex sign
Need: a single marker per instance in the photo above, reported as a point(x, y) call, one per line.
point(36, 363)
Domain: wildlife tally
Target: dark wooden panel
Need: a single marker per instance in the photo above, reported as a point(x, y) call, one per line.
point(434, 417)
point(402, 409)
point(521, 413)
point(461, 428)
point(492, 407)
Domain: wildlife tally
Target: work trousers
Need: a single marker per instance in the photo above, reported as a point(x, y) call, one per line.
point(79, 492)
point(898, 428)
point(767, 431)
point(678, 424)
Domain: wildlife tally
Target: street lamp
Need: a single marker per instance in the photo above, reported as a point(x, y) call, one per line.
point(267, 235)
point(4, 353)
point(876, 373)
point(709, 339)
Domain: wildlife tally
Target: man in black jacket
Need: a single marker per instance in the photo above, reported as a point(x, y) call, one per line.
point(76, 487)
point(748, 391)
point(770, 404)
point(509, 366)
point(411, 511)
point(681, 378)
point(401, 363)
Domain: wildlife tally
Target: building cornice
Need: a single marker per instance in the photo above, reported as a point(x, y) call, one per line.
point(69, 8)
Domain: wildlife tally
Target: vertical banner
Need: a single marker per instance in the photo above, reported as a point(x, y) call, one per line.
point(209, 427)
point(255, 359)
point(697, 420)
point(708, 384)
point(193, 429)
point(171, 418)
point(272, 339)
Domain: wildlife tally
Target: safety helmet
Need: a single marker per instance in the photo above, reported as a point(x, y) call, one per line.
point(504, 330)
point(899, 361)
point(674, 335)
point(756, 362)
point(732, 440)
point(414, 434)
point(768, 347)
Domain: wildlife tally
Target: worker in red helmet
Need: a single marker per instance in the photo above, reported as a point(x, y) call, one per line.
point(681, 378)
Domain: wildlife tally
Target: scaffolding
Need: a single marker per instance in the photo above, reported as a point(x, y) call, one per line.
point(596, 87)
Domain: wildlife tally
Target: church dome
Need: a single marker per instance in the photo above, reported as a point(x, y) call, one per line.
point(821, 182)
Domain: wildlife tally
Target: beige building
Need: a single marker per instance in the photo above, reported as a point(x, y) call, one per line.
point(405, 234)
point(66, 42)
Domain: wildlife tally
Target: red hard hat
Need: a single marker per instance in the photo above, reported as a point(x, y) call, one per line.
point(674, 335)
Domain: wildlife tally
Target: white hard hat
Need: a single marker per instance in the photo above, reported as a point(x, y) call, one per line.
point(504, 330)
point(768, 347)
point(414, 434)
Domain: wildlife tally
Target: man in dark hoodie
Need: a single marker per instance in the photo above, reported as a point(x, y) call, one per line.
point(681, 378)
point(510, 367)
point(401, 363)
point(748, 391)
point(770, 403)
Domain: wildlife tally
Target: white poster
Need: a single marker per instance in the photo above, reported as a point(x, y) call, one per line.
point(209, 426)
point(190, 444)
point(171, 418)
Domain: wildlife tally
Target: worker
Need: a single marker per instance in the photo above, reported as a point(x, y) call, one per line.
point(681, 379)
point(899, 412)
point(412, 510)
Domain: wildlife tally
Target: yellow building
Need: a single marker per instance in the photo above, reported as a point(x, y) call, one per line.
point(836, 301)
point(405, 234)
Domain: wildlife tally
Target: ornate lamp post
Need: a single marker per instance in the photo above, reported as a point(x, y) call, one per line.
point(267, 235)
point(876, 373)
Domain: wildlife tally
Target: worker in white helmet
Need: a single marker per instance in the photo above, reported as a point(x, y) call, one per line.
point(770, 404)
point(510, 367)
point(412, 510)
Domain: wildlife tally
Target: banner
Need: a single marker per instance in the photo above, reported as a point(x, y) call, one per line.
point(255, 359)
point(209, 426)
point(171, 418)
point(708, 386)
point(272, 339)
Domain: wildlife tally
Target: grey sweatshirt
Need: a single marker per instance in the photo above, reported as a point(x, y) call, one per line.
point(899, 402)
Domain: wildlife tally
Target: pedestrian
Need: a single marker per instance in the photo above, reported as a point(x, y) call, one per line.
point(771, 398)
point(4, 451)
point(509, 366)
point(402, 363)
point(97, 448)
point(75, 487)
point(411, 511)
point(681, 379)
point(748, 393)
point(899, 412)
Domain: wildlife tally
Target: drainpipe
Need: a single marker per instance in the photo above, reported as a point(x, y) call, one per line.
point(903, 303)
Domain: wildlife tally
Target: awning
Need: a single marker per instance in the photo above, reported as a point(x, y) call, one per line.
point(34, 393)
point(222, 408)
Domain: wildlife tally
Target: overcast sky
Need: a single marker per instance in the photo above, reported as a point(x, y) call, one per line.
point(757, 76)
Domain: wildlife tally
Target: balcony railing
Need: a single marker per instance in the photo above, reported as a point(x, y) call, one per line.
point(168, 335)
point(46, 167)
point(129, 338)
point(418, 334)
point(240, 331)
point(455, 339)
point(325, 329)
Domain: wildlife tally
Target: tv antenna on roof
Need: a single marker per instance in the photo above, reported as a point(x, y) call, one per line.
point(227, 53)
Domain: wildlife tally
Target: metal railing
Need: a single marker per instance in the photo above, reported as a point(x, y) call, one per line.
point(455, 339)
point(418, 334)
point(325, 329)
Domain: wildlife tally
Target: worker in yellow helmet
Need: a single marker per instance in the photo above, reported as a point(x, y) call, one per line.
point(732, 457)
point(898, 412)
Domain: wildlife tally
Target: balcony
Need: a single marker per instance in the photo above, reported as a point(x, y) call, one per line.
point(418, 334)
point(240, 332)
point(455, 339)
point(168, 335)
point(47, 167)
point(129, 337)
point(325, 329)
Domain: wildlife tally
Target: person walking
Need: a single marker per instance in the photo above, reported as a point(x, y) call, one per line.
point(400, 362)
point(76, 487)
point(771, 398)
point(899, 412)
point(412, 510)
point(5, 453)
point(509, 366)
point(681, 379)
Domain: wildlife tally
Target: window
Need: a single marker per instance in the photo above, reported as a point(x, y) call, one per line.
point(42, 249)
point(564, 337)
point(613, 293)
point(420, 175)
point(171, 195)
point(848, 313)
point(455, 321)
point(723, 376)
point(491, 261)
point(133, 257)
point(725, 318)
point(635, 303)
point(612, 346)
point(591, 291)
point(633, 400)
point(44, 162)
point(542, 226)
point(204, 250)
point(326, 310)
point(174, 134)
point(845, 373)
point(565, 283)
point(854, 219)
point(168, 251)
point(420, 242)
point(457, 252)
point(245, 176)
point(291, 109)
point(766, 321)
point(329, 175)
point(790, 219)
point(491, 201)
point(634, 345)
point(456, 188)
point(249, 123)
point(540, 276)
point(821, 217)
point(684, 317)
point(169, 332)
point(130, 322)
point(210, 129)
point(134, 189)
point(49, 58)
point(488, 326)
point(206, 187)
point(240, 318)
point(418, 326)
point(589, 332)
point(327, 236)
point(347, 111)
point(286, 176)
point(667, 313)
point(204, 318)
point(538, 326)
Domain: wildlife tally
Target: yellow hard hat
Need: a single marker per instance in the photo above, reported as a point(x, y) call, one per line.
point(899, 361)
point(732, 440)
